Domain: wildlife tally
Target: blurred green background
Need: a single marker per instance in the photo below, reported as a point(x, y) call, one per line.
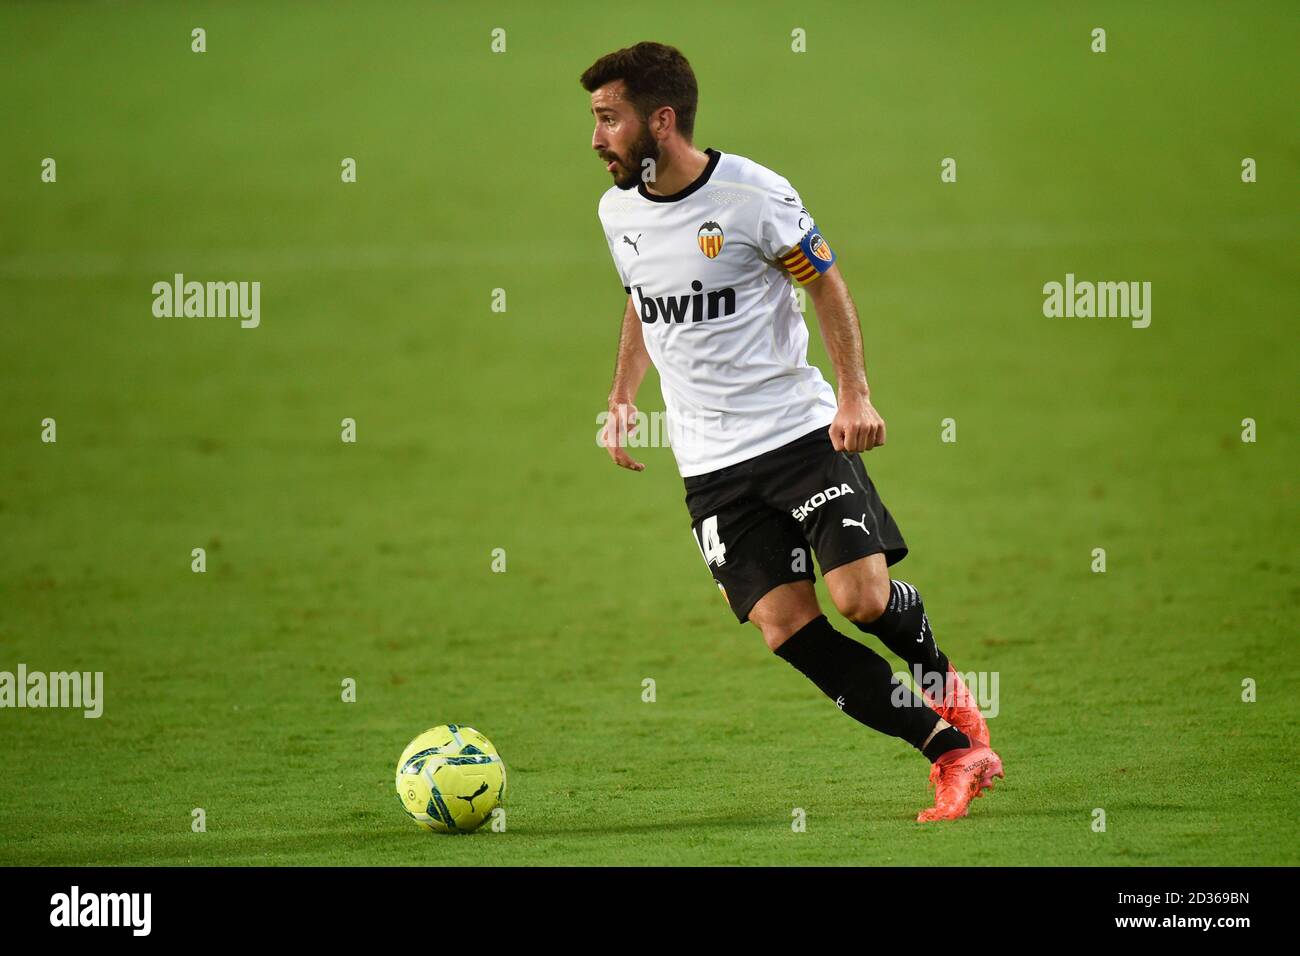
point(476, 430)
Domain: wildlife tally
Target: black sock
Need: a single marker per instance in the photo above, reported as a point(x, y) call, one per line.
point(905, 630)
point(861, 683)
point(950, 738)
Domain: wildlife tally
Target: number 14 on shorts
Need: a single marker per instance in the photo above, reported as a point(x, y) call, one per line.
point(710, 545)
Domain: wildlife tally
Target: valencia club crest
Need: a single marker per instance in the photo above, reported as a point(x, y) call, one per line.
point(710, 239)
point(820, 249)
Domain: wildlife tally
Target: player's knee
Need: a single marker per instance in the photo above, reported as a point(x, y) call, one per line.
point(776, 634)
point(777, 629)
point(863, 604)
point(784, 611)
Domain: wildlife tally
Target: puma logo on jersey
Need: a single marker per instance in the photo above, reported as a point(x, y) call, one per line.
point(633, 243)
point(850, 523)
point(673, 308)
point(819, 499)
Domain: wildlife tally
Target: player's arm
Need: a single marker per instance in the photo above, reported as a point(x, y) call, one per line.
point(857, 426)
point(629, 370)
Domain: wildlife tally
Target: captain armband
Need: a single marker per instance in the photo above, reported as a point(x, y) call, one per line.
point(810, 258)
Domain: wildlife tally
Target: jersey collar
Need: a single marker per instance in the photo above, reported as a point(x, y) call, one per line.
point(703, 178)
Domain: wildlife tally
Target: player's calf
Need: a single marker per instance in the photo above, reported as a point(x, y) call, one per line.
point(863, 685)
point(892, 611)
point(903, 626)
point(860, 682)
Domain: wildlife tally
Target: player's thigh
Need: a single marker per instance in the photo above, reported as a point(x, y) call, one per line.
point(749, 548)
point(839, 512)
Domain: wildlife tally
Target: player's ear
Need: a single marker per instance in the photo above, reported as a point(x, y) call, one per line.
point(663, 121)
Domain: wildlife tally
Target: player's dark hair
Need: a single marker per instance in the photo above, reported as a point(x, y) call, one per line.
point(655, 75)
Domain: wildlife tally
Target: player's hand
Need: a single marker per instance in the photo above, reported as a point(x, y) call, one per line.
point(857, 426)
point(621, 423)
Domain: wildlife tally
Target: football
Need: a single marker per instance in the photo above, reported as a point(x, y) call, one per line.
point(450, 779)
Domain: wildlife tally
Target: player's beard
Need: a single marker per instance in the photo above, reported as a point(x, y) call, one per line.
point(628, 175)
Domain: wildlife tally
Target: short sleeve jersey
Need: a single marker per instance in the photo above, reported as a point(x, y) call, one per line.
point(711, 270)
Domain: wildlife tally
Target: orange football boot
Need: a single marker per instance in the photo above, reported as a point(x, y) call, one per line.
point(959, 777)
point(959, 708)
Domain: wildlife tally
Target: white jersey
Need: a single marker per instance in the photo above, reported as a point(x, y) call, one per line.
point(710, 270)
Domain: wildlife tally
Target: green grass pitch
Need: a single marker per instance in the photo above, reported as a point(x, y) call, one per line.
point(476, 431)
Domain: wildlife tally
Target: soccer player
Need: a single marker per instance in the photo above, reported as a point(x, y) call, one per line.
point(709, 246)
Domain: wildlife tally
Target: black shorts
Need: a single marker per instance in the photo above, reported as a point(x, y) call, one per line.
point(755, 521)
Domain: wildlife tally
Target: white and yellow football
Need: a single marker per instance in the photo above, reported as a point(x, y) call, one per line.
point(450, 779)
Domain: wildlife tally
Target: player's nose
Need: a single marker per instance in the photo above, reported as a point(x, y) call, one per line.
point(597, 141)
